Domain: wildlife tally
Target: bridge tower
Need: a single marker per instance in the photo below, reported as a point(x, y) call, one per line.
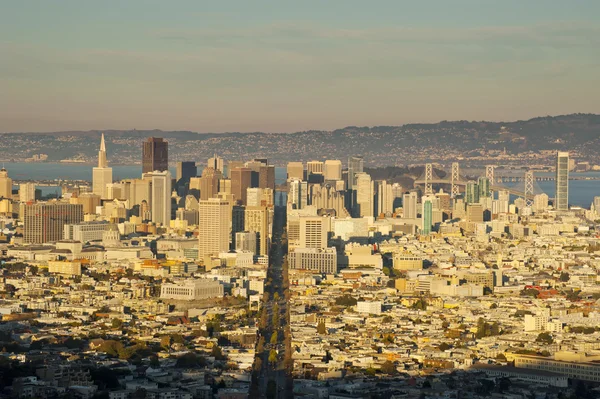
point(529, 188)
point(428, 179)
point(454, 179)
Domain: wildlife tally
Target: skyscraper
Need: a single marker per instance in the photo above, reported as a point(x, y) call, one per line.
point(472, 193)
point(217, 163)
point(185, 171)
point(364, 195)
point(214, 227)
point(483, 184)
point(313, 231)
point(561, 201)
point(155, 155)
point(27, 192)
point(427, 217)
point(314, 167)
point(355, 165)
point(101, 175)
point(409, 205)
point(384, 197)
point(295, 170)
point(256, 219)
point(44, 221)
point(161, 197)
point(241, 180)
point(298, 194)
point(209, 183)
point(332, 169)
point(6, 184)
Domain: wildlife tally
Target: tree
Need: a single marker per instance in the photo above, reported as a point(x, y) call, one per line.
point(444, 346)
point(564, 277)
point(388, 368)
point(544, 337)
point(274, 338)
point(346, 300)
point(217, 353)
point(257, 364)
point(272, 356)
point(165, 342)
point(370, 371)
point(321, 329)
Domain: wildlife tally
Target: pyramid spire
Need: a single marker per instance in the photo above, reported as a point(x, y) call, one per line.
point(102, 154)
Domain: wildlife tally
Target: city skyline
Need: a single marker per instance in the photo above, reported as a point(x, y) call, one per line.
point(296, 67)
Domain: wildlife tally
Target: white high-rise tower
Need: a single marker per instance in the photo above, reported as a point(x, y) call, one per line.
point(102, 174)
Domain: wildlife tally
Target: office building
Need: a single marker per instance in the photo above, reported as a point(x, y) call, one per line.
point(257, 220)
point(192, 290)
point(161, 197)
point(314, 167)
point(297, 194)
point(409, 205)
point(6, 184)
point(44, 221)
point(214, 227)
point(295, 170)
point(561, 202)
point(185, 171)
point(326, 197)
point(472, 193)
point(217, 163)
point(155, 155)
point(209, 183)
point(332, 169)
point(101, 175)
point(246, 241)
point(355, 165)
point(86, 232)
point(364, 195)
point(485, 190)
point(384, 198)
point(27, 192)
point(474, 213)
point(323, 260)
point(314, 231)
point(427, 217)
point(241, 180)
point(66, 267)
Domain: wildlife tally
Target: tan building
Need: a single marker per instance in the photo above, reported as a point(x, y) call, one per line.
point(403, 261)
point(70, 268)
point(6, 184)
point(332, 169)
point(313, 231)
point(241, 180)
point(214, 227)
point(209, 183)
point(257, 220)
point(44, 221)
point(102, 175)
point(192, 290)
point(27, 192)
point(295, 170)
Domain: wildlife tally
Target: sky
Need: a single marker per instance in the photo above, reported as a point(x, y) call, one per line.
point(289, 65)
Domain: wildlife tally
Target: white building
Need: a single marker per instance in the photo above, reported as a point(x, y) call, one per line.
point(192, 290)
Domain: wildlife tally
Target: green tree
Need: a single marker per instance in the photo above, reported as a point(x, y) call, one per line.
point(274, 338)
point(388, 368)
point(545, 337)
point(272, 356)
point(564, 277)
point(116, 324)
point(217, 353)
point(165, 342)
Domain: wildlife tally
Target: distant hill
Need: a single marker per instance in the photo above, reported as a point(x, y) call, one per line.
point(380, 145)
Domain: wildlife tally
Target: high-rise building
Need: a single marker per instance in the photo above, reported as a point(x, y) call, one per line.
point(409, 205)
point(540, 202)
point(561, 201)
point(44, 221)
point(384, 198)
point(364, 195)
point(6, 184)
point(155, 155)
point(472, 193)
point(214, 227)
point(474, 213)
point(209, 183)
point(332, 169)
point(27, 192)
point(314, 231)
point(298, 194)
point(314, 167)
point(355, 165)
point(161, 197)
point(483, 184)
point(241, 180)
point(427, 217)
point(217, 163)
point(185, 171)
point(295, 170)
point(256, 219)
point(102, 175)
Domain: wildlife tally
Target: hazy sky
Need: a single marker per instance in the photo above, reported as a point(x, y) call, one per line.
point(290, 65)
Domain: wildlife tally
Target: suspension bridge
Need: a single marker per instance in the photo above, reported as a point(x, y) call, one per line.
point(526, 186)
